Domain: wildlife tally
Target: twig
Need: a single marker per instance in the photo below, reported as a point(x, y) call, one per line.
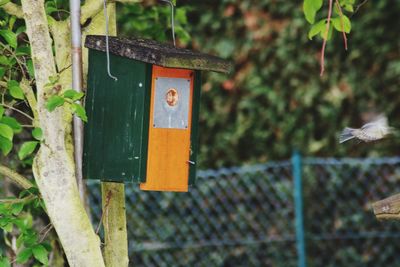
point(50, 227)
point(359, 6)
point(17, 110)
point(30, 96)
point(45, 228)
point(328, 23)
point(342, 24)
point(16, 177)
point(105, 210)
point(14, 55)
point(18, 200)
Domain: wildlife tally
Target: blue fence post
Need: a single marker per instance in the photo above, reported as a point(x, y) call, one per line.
point(298, 206)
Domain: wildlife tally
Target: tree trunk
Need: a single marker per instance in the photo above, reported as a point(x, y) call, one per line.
point(53, 165)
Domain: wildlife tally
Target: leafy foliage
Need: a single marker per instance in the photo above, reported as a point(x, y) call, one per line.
point(19, 216)
point(153, 21)
point(69, 97)
point(16, 219)
point(340, 22)
point(275, 101)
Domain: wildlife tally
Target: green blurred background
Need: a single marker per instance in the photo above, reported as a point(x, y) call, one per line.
point(275, 100)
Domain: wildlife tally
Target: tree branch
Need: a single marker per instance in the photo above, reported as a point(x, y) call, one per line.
point(92, 7)
point(53, 167)
point(13, 9)
point(18, 200)
point(342, 24)
point(16, 177)
point(30, 96)
point(19, 111)
point(328, 23)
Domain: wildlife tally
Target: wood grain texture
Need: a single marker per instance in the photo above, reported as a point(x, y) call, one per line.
point(168, 149)
point(388, 208)
point(162, 54)
point(116, 133)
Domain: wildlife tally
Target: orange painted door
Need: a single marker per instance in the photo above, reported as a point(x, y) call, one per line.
point(169, 130)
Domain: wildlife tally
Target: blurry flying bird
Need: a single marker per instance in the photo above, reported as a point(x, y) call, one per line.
point(372, 131)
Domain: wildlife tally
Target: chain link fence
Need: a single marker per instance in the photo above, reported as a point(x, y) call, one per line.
point(246, 216)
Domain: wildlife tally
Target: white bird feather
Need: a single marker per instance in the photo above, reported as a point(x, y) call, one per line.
point(371, 131)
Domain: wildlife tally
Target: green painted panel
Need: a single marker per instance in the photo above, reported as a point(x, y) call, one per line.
point(194, 136)
point(115, 133)
point(145, 130)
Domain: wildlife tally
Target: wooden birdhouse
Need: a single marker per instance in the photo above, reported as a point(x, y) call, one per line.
point(143, 126)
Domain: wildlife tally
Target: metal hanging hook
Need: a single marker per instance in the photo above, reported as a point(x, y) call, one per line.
point(107, 47)
point(172, 18)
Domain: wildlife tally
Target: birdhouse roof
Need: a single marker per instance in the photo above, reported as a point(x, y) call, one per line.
point(162, 54)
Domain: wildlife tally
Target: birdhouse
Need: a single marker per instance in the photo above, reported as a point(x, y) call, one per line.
point(143, 126)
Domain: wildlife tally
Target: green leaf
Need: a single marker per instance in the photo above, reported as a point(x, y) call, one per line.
point(24, 255)
point(79, 111)
point(50, 7)
point(4, 61)
point(29, 191)
point(341, 24)
point(4, 262)
point(23, 50)
point(20, 29)
point(9, 37)
point(47, 246)
point(1, 111)
point(54, 101)
point(310, 8)
point(5, 145)
point(30, 237)
point(4, 210)
point(17, 208)
point(73, 95)
point(11, 22)
point(30, 68)
point(40, 253)
point(15, 89)
point(349, 8)
point(317, 28)
point(6, 131)
point(8, 227)
point(13, 123)
point(324, 35)
point(27, 223)
point(26, 149)
point(3, 2)
point(2, 72)
point(37, 133)
point(5, 220)
point(20, 240)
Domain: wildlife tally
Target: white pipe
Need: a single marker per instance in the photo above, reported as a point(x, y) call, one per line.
point(76, 55)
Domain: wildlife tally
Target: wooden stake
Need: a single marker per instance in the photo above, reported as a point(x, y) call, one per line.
point(388, 208)
point(114, 222)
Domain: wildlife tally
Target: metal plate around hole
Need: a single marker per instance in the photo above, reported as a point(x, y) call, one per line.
point(171, 103)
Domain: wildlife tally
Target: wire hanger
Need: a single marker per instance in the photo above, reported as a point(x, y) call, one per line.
point(107, 45)
point(172, 18)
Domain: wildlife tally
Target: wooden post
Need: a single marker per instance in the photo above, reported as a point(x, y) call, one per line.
point(115, 250)
point(388, 208)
